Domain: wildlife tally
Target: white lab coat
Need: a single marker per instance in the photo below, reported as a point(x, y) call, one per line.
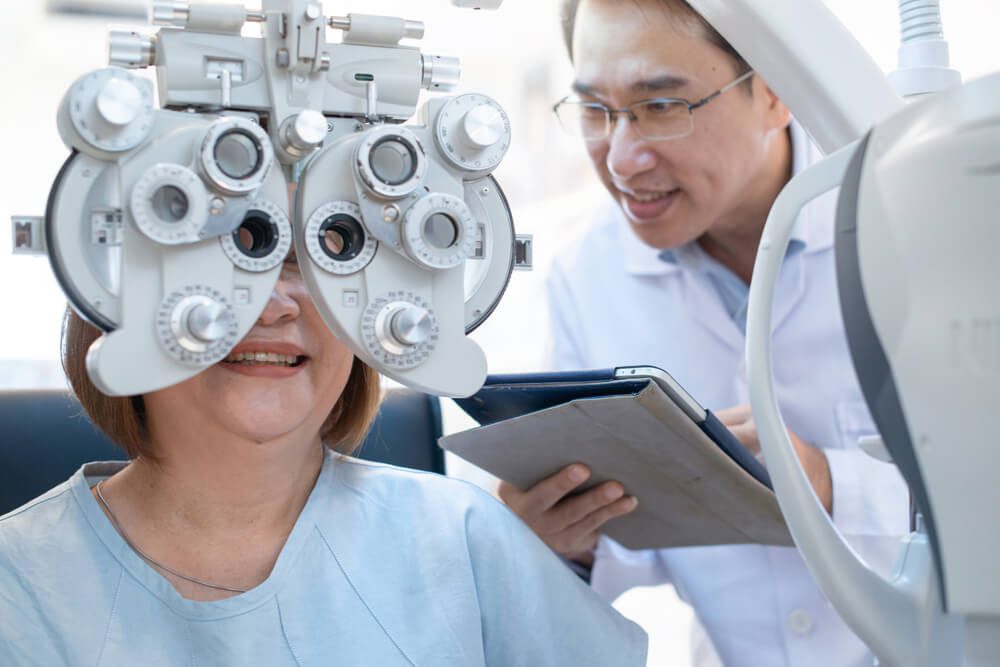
point(614, 302)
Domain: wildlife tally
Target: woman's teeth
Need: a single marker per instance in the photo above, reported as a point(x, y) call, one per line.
point(263, 358)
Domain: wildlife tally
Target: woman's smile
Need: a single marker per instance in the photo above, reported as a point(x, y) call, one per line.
point(268, 359)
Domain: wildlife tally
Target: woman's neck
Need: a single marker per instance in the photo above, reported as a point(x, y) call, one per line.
point(218, 484)
point(215, 507)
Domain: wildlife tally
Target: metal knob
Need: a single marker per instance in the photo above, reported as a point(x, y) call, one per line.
point(411, 325)
point(119, 102)
point(440, 72)
point(130, 49)
point(170, 13)
point(304, 132)
point(482, 126)
point(207, 321)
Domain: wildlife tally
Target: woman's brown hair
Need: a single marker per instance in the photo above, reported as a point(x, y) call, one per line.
point(123, 418)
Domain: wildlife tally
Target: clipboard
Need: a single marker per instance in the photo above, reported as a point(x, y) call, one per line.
point(695, 483)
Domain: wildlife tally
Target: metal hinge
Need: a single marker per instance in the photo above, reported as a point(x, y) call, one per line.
point(28, 235)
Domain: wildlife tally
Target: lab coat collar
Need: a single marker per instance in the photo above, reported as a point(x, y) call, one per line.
point(812, 229)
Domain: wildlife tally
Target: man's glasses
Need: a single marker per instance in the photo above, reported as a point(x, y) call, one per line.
point(655, 119)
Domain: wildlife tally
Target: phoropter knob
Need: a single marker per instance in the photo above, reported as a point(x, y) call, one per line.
point(411, 325)
point(441, 72)
point(482, 126)
point(119, 102)
point(169, 13)
point(207, 321)
point(304, 132)
point(131, 49)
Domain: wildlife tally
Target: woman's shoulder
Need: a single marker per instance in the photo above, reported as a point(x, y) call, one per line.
point(394, 486)
point(423, 506)
point(36, 517)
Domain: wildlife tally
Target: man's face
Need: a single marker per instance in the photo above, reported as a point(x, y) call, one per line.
point(672, 191)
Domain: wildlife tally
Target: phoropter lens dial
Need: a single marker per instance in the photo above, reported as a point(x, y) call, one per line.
point(110, 109)
point(337, 241)
point(197, 325)
point(439, 231)
point(262, 240)
point(169, 204)
point(236, 155)
point(473, 132)
point(391, 161)
point(399, 330)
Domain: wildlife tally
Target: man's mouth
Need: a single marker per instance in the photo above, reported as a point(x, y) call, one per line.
point(648, 205)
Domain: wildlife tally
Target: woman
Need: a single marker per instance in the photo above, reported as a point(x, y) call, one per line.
point(234, 536)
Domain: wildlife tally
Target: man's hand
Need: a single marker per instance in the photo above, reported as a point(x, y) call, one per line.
point(740, 421)
point(569, 525)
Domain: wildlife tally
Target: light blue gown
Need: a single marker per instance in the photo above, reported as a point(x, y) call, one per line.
point(383, 567)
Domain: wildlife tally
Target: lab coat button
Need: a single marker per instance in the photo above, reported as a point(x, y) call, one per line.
point(800, 622)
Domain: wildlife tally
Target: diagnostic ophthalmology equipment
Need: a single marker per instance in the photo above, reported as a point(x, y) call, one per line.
point(916, 239)
point(168, 224)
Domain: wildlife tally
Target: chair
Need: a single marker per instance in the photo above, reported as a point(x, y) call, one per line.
point(45, 437)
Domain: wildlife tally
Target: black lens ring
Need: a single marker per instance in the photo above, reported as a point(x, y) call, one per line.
point(258, 150)
point(263, 231)
point(393, 139)
point(351, 232)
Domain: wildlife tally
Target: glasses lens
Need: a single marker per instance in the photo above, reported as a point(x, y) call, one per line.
point(583, 119)
point(237, 154)
point(170, 204)
point(392, 161)
point(662, 119)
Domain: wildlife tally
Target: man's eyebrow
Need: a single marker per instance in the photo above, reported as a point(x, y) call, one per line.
point(657, 84)
point(581, 88)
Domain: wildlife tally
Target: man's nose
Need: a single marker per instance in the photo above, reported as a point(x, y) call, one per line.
point(284, 303)
point(628, 153)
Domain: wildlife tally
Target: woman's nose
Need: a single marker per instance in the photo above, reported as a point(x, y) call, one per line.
point(284, 303)
point(628, 153)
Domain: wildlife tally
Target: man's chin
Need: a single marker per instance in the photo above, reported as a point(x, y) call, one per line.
point(661, 235)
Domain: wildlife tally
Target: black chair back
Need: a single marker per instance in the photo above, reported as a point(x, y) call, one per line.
point(45, 437)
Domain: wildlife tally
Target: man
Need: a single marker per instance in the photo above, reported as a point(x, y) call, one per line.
point(663, 279)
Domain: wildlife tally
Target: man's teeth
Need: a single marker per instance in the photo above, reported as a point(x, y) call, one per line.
point(258, 358)
point(649, 196)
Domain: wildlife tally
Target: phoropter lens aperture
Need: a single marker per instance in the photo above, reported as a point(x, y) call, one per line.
point(392, 160)
point(341, 237)
point(170, 204)
point(238, 154)
point(257, 236)
point(440, 231)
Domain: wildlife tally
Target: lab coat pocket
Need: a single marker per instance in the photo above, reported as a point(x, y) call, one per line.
point(854, 421)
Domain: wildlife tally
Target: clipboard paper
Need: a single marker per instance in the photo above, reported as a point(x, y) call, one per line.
point(690, 492)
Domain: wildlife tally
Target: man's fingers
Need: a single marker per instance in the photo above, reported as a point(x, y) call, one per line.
point(545, 494)
point(746, 433)
point(734, 415)
point(582, 536)
point(572, 510)
point(593, 521)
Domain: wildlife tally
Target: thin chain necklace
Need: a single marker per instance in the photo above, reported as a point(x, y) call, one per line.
point(152, 561)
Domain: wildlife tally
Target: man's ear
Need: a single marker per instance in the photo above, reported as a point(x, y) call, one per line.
point(775, 114)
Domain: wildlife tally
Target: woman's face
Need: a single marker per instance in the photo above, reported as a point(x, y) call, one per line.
point(282, 379)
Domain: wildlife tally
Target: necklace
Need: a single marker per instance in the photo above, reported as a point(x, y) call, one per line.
point(152, 561)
